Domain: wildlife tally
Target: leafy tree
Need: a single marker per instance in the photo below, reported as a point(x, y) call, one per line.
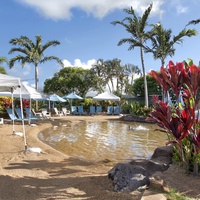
point(2, 70)
point(116, 77)
point(102, 73)
point(163, 43)
point(71, 79)
point(136, 27)
point(32, 52)
point(130, 71)
point(153, 86)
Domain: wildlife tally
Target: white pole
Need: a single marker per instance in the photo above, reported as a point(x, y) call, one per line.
point(24, 134)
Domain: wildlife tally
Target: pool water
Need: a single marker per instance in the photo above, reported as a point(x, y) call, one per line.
point(110, 140)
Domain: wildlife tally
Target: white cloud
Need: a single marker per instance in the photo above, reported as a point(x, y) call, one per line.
point(180, 6)
point(78, 63)
point(181, 9)
point(61, 9)
point(18, 71)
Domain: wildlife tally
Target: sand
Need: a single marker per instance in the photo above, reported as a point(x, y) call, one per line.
point(51, 174)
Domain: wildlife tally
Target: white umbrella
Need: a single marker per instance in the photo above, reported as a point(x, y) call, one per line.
point(106, 96)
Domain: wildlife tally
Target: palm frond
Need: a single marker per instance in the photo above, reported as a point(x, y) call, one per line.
point(193, 22)
point(48, 58)
point(3, 59)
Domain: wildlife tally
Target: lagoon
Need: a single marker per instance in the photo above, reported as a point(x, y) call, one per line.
point(107, 140)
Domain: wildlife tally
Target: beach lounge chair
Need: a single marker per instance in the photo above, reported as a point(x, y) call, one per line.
point(21, 115)
point(99, 110)
point(81, 111)
point(109, 110)
point(30, 114)
point(45, 113)
point(37, 114)
point(58, 113)
point(74, 110)
point(92, 110)
point(65, 111)
point(12, 115)
point(116, 110)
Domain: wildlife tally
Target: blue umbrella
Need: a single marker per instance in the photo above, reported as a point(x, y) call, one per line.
point(72, 96)
point(55, 97)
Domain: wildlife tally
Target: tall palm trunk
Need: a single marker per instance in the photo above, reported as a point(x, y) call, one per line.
point(145, 80)
point(36, 84)
point(36, 76)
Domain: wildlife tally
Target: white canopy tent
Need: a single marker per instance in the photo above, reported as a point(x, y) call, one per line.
point(26, 91)
point(10, 84)
point(106, 96)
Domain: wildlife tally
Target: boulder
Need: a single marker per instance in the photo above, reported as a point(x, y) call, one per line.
point(127, 177)
point(136, 174)
point(163, 154)
point(150, 166)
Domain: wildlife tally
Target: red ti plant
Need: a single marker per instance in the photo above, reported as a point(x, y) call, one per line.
point(178, 118)
point(25, 103)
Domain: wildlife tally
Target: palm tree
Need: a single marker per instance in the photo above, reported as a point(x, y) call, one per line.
point(3, 60)
point(162, 44)
point(193, 22)
point(136, 27)
point(99, 70)
point(32, 52)
point(2, 69)
point(113, 70)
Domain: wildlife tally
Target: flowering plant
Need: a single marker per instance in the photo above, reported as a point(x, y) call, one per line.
point(178, 118)
point(5, 102)
point(25, 103)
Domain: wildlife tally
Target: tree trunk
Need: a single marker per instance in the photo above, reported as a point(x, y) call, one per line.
point(145, 80)
point(36, 84)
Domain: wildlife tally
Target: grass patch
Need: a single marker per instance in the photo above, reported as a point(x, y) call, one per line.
point(173, 195)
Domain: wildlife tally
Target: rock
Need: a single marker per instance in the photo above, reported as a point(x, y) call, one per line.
point(150, 165)
point(163, 154)
point(134, 175)
point(127, 177)
point(154, 197)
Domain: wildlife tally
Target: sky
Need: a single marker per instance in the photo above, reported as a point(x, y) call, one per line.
point(84, 29)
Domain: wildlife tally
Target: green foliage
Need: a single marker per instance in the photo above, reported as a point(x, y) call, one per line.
point(136, 27)
point(163, 42)
point(179, 120)
point(174, 195)
point(71, 79)
point(31, 52)
point(135, 108)
point(2, 70)
point(153, 86)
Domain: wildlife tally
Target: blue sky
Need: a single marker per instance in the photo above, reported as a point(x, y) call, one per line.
point(86, 34)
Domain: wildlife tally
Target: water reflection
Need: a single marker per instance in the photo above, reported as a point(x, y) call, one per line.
point(112, 140)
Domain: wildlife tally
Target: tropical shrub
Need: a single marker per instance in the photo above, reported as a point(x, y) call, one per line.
point(5, 102)
point(178, 119)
